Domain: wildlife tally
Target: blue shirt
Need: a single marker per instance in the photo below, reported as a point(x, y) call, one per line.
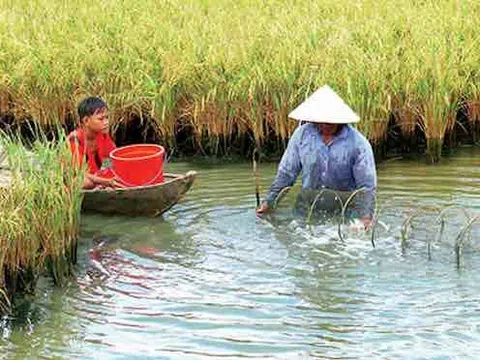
point(345, 164)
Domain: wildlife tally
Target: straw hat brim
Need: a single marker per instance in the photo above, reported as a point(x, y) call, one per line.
point(324, 106)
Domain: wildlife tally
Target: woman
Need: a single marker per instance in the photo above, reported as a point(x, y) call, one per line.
point(329, 152)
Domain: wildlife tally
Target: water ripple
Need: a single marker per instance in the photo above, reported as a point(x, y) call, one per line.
point(210, 280)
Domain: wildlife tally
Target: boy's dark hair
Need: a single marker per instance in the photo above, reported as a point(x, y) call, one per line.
point(89, 106)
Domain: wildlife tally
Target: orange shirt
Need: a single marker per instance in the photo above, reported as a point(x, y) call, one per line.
point(80, 152)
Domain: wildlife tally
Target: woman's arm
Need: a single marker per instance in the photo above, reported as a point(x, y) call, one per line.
point(365, 175)
point(288, 170)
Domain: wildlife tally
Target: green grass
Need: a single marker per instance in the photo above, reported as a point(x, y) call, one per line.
point(40, 214)
point(226, 67)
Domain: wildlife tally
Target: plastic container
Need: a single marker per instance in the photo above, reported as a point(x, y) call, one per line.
point(138, 165)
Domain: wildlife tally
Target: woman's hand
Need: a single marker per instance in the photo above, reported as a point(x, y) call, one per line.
point(367, 222)
point(263, 209)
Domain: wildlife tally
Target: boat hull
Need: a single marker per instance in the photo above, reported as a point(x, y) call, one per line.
point(139, 201)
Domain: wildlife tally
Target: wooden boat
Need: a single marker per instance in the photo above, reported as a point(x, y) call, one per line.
point(151, 200)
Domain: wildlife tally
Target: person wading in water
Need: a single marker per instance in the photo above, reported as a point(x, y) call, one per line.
point(330, 153)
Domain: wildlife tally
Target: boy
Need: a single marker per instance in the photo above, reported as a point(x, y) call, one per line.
point(90, 142)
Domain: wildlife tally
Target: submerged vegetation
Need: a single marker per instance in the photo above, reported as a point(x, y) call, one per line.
point(218, 70)
point(40, 213)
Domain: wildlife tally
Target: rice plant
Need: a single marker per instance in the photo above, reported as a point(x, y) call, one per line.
point(40, 213)
point(233, 68)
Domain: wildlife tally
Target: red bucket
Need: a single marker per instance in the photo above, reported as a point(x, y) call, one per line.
point(138, 165)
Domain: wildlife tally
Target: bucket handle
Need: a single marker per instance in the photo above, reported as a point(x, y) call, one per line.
point(133, 185)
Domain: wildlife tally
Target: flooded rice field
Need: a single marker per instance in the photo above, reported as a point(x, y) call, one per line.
point(210, 280)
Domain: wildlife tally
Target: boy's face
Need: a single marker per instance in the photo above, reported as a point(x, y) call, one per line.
point(98, 122)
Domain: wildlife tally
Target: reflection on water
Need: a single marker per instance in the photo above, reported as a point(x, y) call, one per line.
point(211, 280)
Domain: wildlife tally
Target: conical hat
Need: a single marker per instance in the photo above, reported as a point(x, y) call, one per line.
point(325, 106)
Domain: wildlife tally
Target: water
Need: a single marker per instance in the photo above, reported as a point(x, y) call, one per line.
point(212, 281)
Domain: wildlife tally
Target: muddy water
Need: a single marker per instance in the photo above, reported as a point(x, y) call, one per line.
point(209, 280)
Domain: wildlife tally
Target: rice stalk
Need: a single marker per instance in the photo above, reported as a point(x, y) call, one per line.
point(473, 113)
point(5, 304)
